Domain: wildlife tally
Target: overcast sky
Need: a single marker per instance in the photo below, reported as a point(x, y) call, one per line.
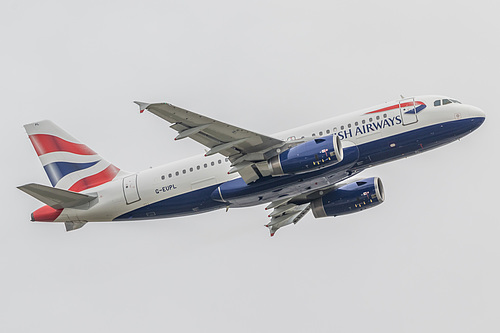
point(424, 261)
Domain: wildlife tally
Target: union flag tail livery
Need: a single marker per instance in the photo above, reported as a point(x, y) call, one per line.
point(293, 172)
point(69, 164)
point(71, 167)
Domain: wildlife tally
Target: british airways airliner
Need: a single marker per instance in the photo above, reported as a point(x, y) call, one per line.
point(293, 172)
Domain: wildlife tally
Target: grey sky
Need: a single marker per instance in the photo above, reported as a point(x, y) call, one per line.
point(425, 260)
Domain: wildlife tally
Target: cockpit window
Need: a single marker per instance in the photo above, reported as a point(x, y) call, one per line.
point(445, 101)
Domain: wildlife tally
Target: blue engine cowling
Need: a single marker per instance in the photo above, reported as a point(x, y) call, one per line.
point(308, 156)
point(350, 198)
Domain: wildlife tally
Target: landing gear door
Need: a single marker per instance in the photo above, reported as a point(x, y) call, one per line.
point(130, 189)
point(408, 110)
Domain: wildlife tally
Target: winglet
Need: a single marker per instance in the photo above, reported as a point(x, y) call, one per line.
point(142, 106)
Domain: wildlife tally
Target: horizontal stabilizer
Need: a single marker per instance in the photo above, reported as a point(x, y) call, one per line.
point(58, 198)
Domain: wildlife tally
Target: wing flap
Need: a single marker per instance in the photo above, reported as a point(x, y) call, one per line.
point(191, 131)
point(287, 214)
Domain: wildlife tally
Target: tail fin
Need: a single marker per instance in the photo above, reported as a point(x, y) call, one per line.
point(69, 164)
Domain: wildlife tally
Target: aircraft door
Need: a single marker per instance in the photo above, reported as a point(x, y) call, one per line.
point(408, 110)
point(130, 189)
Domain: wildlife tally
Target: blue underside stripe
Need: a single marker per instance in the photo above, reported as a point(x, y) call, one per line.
point(57, 170)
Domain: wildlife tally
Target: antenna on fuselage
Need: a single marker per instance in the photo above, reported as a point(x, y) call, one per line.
point(402, 97)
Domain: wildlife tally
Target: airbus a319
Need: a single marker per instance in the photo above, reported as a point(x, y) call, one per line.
point(309, 168)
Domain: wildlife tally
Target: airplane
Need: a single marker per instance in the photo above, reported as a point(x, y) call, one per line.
point(309, 168)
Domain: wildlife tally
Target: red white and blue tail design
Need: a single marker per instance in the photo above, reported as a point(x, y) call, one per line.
point(69, 164)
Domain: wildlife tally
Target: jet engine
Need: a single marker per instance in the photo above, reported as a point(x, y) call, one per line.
point(308, 156)
point(350, 198)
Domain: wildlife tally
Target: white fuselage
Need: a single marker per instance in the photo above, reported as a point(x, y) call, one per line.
point(370, 129)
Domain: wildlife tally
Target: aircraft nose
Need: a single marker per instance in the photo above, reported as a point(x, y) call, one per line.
point(477, 116)
point(474, 118)
point(477, 112)
point(480, 113)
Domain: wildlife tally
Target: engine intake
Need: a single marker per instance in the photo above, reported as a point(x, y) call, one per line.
point(350, 198)
point(308, 156)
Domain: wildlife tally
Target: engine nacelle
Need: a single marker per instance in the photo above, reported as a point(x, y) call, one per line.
point(350, 198)
point(308, 156)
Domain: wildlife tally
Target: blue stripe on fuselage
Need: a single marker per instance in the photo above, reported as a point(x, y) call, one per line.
point(416, 110)
point(185, 204)
point(370, 154)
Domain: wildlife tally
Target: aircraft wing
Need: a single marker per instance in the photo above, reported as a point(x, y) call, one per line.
point(248, 151)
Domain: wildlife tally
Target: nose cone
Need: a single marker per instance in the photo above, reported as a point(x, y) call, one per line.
point(477, 113)
point(475, 118)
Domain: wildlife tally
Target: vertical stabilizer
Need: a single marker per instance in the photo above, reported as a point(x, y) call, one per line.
point(69, 164)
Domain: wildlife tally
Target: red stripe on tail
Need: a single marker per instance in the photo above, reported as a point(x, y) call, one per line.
point(100, 178)
point(45, 143)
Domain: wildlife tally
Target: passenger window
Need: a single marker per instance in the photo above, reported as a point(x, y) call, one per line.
point(220, 161)
point(327, 131)
point(184, 171)
point(320, 133)
point(356, 124)
point(205, 165)
point(342, 127)
point(162, 177)
point(437, 103)
point(313, 134)
point(363, 121)
point(213, 163)
point(169, 175)
point(371, 119)
point(378, 117)
point(198, 167)
point(335, 129)
point(385, 115)
point(190, 169)
point(446, 101)
point(177, 173)
point(349, 125)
